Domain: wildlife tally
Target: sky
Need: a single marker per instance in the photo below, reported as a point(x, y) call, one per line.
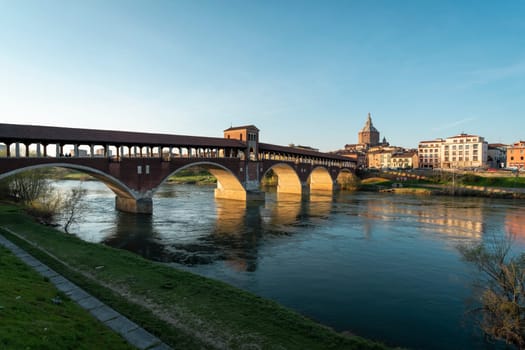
point(304, 72)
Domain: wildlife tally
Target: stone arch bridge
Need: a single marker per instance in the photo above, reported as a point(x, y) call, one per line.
point(133, 165)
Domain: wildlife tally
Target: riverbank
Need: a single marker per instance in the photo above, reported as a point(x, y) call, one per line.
point(36, 316)
point(184, 310)
point(468, 186)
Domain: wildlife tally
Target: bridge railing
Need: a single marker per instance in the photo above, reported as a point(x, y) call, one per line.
point(302, 159)
point(116, 153)
point(113, 152)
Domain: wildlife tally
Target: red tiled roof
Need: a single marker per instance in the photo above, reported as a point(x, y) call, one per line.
point(51, 134)
point(242, 127)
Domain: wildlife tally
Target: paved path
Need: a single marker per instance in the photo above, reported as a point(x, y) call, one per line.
point(129, 330)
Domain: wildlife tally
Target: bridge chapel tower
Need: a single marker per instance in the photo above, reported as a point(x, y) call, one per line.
point(248, 134)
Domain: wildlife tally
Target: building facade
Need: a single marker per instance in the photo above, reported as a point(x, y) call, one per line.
point(405, 160)
point(455, 152)
point(429, 153)
point(497, 155)
point(516, 155)
point(464, 151)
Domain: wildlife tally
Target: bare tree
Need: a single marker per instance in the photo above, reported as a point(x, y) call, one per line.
point(28, 186)
point(503, 297)
point(73, 206)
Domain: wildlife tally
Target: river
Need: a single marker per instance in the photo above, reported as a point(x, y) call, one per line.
point(383, 266)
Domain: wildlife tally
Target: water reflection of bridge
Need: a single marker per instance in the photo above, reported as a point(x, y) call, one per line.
point(234, 237)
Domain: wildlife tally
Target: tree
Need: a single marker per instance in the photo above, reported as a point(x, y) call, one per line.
point(503, 297)
point(73, 206)
point(28, 186)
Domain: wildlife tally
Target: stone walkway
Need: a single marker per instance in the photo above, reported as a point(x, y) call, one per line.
point(129, 330)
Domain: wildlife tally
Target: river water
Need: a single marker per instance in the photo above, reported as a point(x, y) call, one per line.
point(383, 266)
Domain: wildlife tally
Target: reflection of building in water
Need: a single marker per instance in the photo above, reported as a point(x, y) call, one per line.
point(515, 224)
point(450, 220)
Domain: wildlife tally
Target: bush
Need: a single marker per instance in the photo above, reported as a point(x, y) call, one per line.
point(502, 300)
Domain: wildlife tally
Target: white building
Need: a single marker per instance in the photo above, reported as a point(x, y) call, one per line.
point(430, 153)
point(456, 152)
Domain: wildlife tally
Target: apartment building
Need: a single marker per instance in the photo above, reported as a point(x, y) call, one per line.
point(464, 151)
point(456, 152)
point(429, 153)
point(405, 160)
point(381, 157)
point(516, 155)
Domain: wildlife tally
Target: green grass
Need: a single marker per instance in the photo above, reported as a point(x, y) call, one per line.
point(30, 319)
point(184, 310)
point(193, 179)
point(507, 182)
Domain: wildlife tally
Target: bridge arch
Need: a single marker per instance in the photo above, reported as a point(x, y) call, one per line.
point(288, 180)
point(320, 179)
point(115, 185)
point(228, 185)
point(347, 179)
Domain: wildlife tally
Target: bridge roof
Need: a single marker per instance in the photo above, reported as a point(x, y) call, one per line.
point(51, 134)
point(300, 151)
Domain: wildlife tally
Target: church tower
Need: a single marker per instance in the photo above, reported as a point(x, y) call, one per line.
point(369, 135)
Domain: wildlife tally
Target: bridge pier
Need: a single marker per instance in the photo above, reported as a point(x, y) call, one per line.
point(135, 206)
point(241, 195)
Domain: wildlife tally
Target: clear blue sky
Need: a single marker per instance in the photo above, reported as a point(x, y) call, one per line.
point(304, 72)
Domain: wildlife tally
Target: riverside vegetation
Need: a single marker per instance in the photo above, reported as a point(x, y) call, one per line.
point(189, 311)
point(35, 316)
point(182, 309)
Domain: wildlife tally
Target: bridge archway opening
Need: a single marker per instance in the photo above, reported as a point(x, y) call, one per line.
point(347, 180)
point(228, 185)
point(320, 180)
point(117, 187)
point(288, 181)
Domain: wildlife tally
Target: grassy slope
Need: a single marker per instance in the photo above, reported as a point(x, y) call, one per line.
point(197, 312)
point(29, 318)
point(508, 182)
